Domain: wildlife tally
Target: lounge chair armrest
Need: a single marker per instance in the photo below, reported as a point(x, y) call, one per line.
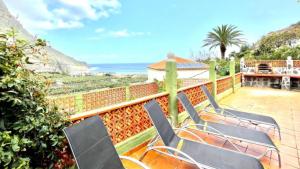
point(217, 132)
point(134, 161)
point(189, 126)
point(206, 108)
point(190, 159)
point(191, 133)
point(228, 112)
point(221, 109)
point(229, 106)
point(153, 140)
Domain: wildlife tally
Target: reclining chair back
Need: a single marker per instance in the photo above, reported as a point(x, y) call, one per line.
point(91, 145)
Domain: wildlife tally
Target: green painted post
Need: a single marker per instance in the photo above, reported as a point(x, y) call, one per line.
point(79, 103)
point(213, 76)
point(127, 93)
point(171, 87)
point(232, 73)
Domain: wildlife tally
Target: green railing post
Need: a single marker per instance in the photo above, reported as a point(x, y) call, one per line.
point(79, 103)
point(127, 93)
point(213, 76)
point(171, 87)
point(232, 72)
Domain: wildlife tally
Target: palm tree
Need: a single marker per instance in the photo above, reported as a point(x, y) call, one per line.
point(223, 36)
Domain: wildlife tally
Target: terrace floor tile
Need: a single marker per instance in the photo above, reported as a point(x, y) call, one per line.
point(280, 104)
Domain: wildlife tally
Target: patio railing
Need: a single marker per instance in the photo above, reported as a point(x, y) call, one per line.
point(81, 102)
point(128, 119)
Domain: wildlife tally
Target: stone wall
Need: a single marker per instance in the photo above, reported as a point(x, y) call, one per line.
point(262, 81)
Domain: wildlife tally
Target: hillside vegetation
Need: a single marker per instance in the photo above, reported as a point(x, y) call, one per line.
point(64, 84)
point(53, 61)
point(275, 45)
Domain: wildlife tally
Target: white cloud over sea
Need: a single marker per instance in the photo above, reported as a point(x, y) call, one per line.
point(60, 14)
point(121, 33)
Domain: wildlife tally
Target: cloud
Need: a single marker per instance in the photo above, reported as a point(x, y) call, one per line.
point(60, 14)
point(123, 33)
point(99, 30)
point(120, 34)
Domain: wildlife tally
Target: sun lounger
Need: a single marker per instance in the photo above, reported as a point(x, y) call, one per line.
point(242, 116)
point(227, 132)
point(92, 147)
point(199, 153)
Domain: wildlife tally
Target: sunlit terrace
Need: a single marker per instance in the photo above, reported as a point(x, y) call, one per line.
point(279, 104)
point(131, 130)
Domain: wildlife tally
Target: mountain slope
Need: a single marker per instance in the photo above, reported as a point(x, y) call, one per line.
point(289, 36)
point(54, 61)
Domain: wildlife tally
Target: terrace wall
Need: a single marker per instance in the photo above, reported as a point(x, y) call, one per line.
point(224, 84)
point(238, 78)
point(129, 123)
point(64, 104)
point(102, 98)
point(191, 82)
point(82, 102)
point(142, 90)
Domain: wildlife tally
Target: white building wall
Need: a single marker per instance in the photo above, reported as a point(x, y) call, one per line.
point(181, 74)
point(155, 74)
point(196, 74)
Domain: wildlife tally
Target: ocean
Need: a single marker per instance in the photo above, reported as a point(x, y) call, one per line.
point(120, 68)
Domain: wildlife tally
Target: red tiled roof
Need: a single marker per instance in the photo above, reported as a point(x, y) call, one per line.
point(161, 65)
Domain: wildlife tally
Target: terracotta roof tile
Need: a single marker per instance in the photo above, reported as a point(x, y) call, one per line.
point(161, 65)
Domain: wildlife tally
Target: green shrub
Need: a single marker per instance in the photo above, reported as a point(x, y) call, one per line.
point(30, 132)
point(223, 67)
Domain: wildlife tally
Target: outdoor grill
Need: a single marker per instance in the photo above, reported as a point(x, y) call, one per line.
point(264, 68)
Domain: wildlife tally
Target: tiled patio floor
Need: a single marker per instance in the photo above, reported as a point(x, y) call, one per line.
point(283, 105)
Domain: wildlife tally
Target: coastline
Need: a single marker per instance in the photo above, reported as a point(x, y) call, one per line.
point(119, 69)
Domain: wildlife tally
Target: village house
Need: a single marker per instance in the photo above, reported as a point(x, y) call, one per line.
point(186, 69)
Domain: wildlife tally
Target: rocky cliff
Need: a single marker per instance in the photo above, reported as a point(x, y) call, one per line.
point(289, 36)
point(53, 61)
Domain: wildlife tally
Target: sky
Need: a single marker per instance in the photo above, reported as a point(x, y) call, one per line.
point(145, 31)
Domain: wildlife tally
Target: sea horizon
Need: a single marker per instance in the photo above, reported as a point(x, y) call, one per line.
point(119, 68)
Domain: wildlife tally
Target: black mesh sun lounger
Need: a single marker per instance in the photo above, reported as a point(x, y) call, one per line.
point(92, 147)
point(252, 118)
point(227, 131)
point(200, 154)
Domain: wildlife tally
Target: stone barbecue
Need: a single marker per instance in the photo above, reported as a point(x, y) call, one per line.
point(284, 74)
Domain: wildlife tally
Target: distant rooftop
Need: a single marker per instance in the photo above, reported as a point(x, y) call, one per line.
point(182, 64)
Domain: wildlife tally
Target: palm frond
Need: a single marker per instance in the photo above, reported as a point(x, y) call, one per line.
point(226, 35)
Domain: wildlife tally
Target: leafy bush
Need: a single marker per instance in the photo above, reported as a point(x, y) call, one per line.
point(223, 67)
point(30, 132)
point(276, 45)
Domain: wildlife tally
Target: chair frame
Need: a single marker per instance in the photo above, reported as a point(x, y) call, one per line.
point(244, 120)
point(227, 139)
point(137, 162)
point(240, 119)
point(219, 134)
point(151, 147)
